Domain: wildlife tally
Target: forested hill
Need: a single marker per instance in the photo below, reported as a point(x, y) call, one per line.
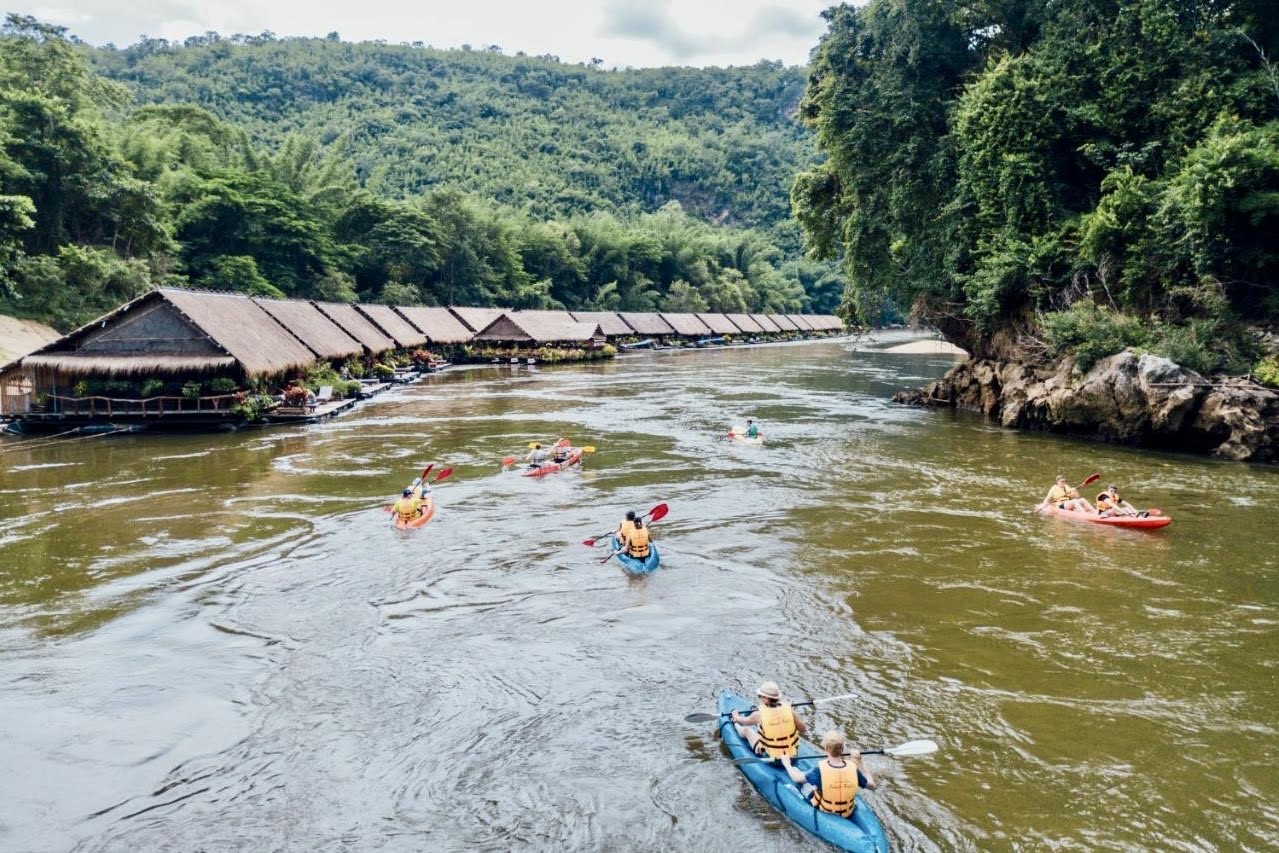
point(549, 138)
point(316, 169)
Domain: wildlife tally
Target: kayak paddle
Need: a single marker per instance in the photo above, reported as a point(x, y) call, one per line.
point(906, 750)
point(658, 513)
point(710, 718)
point(1091, 478)
point(420, 478)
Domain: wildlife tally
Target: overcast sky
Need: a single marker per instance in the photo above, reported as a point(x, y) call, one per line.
point(638, 33)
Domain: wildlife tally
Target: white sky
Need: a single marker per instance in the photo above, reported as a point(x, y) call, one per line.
point(639, 33)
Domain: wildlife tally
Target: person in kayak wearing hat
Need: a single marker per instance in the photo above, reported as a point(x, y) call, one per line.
point(408, 506)
point(1109, 503)
point(772, 729)
point(833, 784)
point(1066, 496)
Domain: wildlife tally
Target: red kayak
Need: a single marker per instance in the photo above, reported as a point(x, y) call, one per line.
point(1154, 520)
point(549, 467)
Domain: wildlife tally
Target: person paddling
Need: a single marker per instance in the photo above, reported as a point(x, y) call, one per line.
point(772, 729)
point(561, 451)
point(1066, 496)
point(1109, 503)
point(833, 784)
point(636, 541)
point(627, 525)
point(752, 430)
point(408, 506)
point(537, 456)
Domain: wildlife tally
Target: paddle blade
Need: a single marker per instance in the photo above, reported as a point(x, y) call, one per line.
point(588, 449)
point(657, 513)
point(426, 471)
point(910, 748)
point(443, 474)
point(1092, 478)
point(1154, 510)
point(508, 460)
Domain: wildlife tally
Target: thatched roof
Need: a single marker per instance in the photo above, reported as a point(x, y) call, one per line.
point(824, 322)
point(719, 324)
point(746, 323)
point(476, 318)
point(438, 324)
point(401, 331)
point(19, 337)
point(786, 324)
point(539, 327)
point(800, 323)
point(320, 334)
point(246, 332)
point(766, 323)
point(609, 322)
point(356, 325)
point(646, 323)
point(687, 324)
point(127, 365)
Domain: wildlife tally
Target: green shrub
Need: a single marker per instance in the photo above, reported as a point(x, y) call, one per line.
point(383, 371)
point(347, 388)
point(81, 388)
point(222, 385)
point(355, 368)
point(1266, 371)
point(1091, 332)
point(191, 390)
point(251, 407)
point(151, 388)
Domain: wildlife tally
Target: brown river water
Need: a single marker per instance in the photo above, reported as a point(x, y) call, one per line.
point(217, 642)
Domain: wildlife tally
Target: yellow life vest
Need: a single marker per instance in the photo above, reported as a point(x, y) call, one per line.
point(407, 508)
point(777, 730)
point(1103, 502)
point(625, 529)
point(637, 543)
point(839, 788)
point(1059, 494)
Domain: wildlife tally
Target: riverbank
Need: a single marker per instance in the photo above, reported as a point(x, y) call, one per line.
point(1129, 398)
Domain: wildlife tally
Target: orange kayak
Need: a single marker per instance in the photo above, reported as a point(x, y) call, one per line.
point(428, 510)
point(1153, 521)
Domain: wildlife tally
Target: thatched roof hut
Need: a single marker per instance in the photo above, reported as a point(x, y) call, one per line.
point(320, 334)
point(356, 325)
point(646, 323)
point(609, 322)
point(687, 325)
point(540, 327)
point(438, 324)
point(719, 324)
point(800, 323)
point(171, 331)
point(766, 323)
point(400, 330)
point(476, 318)
point(824, 322)
point(746, 323)
point(786, 324)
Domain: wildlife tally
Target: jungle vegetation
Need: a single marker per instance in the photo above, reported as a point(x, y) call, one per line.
point(314, 168)
point(1040, 177)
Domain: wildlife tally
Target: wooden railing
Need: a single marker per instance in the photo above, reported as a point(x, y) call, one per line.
point(150, 407)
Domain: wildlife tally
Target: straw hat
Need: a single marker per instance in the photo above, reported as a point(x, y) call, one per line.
point(770, 690)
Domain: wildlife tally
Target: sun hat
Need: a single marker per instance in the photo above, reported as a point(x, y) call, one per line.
point(770, 690)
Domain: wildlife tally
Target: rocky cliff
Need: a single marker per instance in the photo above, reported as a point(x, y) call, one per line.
point(1127, 398)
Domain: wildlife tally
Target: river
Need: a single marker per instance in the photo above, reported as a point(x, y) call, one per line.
point(217, 642)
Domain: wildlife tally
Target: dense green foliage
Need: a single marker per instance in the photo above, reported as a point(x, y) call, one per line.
point(318, 169)
point(993, 164)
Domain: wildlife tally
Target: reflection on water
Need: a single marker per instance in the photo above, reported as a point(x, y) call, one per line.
point(218, 641)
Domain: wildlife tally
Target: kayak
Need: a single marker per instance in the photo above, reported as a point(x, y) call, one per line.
point(1150, 522)
point(743, 438)
point(549, 467)
point(861, 832)
point(634, 566)
point(428, 510)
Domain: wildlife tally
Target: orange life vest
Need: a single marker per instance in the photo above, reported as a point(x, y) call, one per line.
point(777, 730)
point(637, 543)
point(624, 530)
point(839, 788)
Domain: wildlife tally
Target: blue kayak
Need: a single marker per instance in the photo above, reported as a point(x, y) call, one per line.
point(634, 566)
point(861, 832)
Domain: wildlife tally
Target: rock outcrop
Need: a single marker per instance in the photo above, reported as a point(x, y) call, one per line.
point(1128, 398)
